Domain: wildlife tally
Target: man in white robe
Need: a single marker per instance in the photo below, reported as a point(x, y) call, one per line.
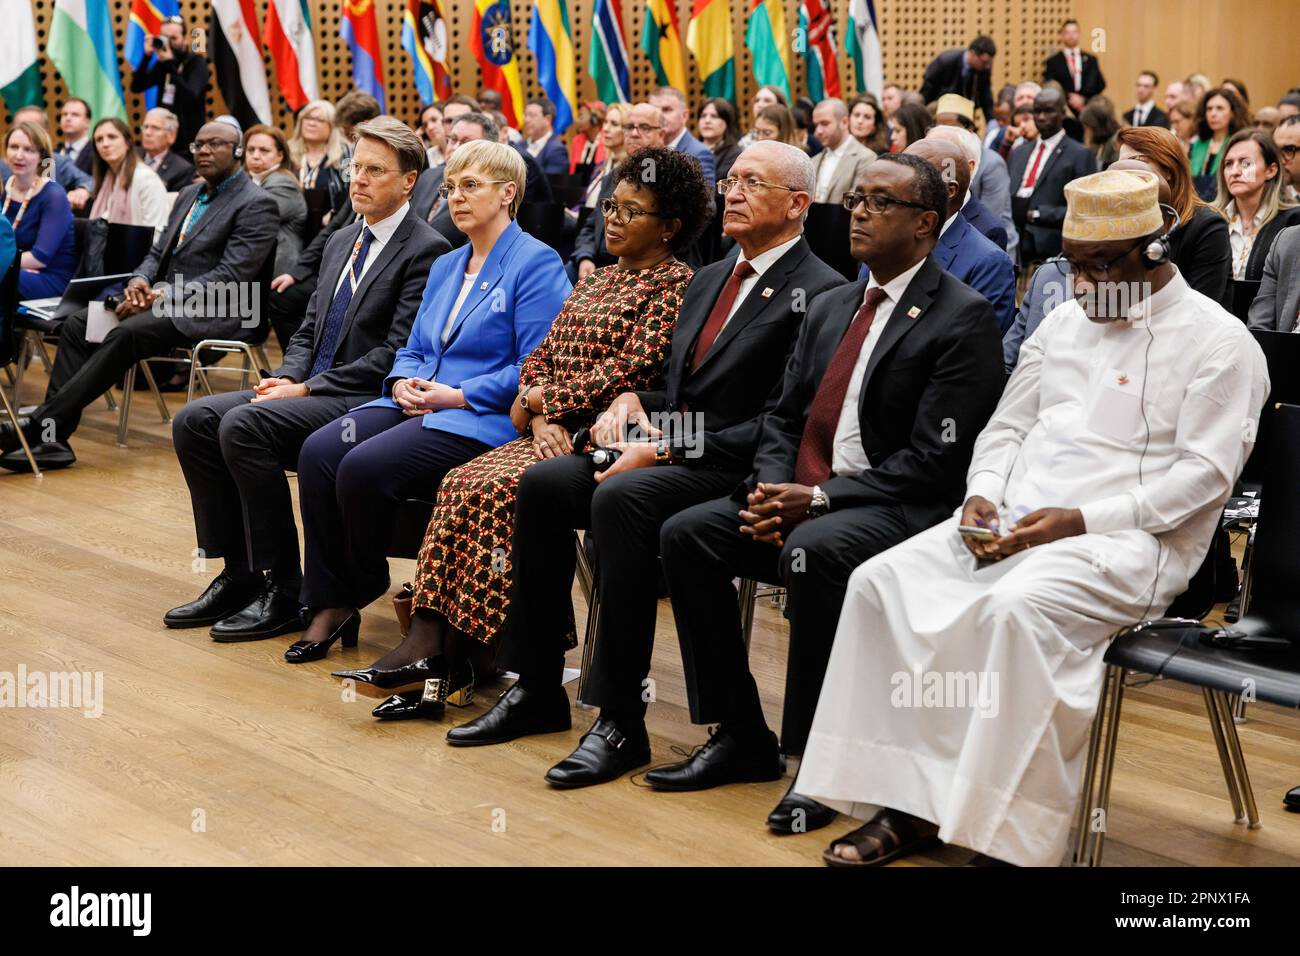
point(965, 674)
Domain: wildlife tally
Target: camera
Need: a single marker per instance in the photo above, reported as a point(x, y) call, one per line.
point(157, 43)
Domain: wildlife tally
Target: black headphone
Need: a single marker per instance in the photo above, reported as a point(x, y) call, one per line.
point(1157, 250)
point(239, 151)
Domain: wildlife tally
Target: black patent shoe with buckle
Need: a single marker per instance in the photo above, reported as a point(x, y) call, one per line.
point(605, 753)
point(455, 688)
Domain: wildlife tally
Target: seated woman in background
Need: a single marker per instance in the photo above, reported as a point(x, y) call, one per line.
point(446, 401)
point(587, 252)
point(1251, 198)
point(38, 210)
point(908, 125)
point(720, 131)
point(866, 123)
point(126, 190)
point(1199, 244)
point(1220, 115)
point(764, 97)
point(266, 157)
point(612, 335)
point(1182, 123)
point(1099, 128)
point(319, 151)
point(777, 123)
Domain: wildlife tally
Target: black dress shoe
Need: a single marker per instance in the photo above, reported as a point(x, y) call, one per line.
point(605, 753)
point(50, 456)
point(799, 814)
point(391, 678)
point(456, 688)
point(223, 597)
point(9, 435)
point(275, 610)
point(724, 758)
point(1292, 800)
point(300, 652)
point(517, 713)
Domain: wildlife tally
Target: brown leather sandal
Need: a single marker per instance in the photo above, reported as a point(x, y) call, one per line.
point(885, 837)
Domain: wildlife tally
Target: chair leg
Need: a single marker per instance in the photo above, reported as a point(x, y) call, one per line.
point(1089, 786)
point(22, 436)
point(589, 640)
point(1225, 761)
point(259, 352)
point(110, 401)
point(746, 594)
point(585, 577)
point(20, 367)
point(128, 387)
point(1116, 702)
point(157, 395)
point(1238, 761)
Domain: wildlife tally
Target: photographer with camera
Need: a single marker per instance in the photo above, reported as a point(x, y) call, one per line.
point(179, 75)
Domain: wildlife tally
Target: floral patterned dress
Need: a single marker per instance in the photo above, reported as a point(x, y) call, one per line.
point(612, 336)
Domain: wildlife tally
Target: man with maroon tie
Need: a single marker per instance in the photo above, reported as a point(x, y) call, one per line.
point(697, 433)
point(891, 380)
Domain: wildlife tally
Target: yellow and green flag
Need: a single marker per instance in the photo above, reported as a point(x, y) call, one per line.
point(708, 37)
point(662, 43)
point(769, 44)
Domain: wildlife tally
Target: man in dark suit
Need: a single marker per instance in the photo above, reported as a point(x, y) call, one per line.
point(1039, 172)
point(1078, 73)
point(540, 140)
point(736, 326)
point(966, 72)
point(218, 238)
point(671, 104)
point(891, 380)
point(1147, 112)
point(157, 144)
point(74, 124)
point(234, 447)
point(179, 75)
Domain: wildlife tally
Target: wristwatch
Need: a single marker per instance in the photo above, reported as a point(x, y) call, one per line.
point(663, 454)
point(523, 399)
point(820, 503)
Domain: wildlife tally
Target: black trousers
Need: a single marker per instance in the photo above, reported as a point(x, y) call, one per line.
point(352, 475)
point(287, 309)
point(625, 514)
point(83, 371)
point(234, 453)
point(703, 550)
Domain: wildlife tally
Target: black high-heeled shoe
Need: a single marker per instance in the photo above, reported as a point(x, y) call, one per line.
point(455, 688)
point(406, 677)
point(300, 652)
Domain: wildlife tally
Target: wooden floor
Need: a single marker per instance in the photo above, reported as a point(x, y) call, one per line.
point(224, 754)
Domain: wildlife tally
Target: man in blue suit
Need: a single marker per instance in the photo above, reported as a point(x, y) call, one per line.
point(541, 142)
point(1050, 285)
point(671, 103)
point(988, 205)
point(961, 250)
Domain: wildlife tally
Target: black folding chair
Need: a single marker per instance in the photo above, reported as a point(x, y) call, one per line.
point(827, 232)
point(8, 351)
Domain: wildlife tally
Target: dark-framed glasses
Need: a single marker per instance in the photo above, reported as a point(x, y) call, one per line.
point(622, 213)
point(876, 203)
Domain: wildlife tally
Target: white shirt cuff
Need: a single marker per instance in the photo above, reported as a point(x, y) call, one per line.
point(1116, 513)
point(986, 484)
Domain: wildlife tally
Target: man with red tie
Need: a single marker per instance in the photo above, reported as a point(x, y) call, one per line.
point(1078, 73)
point(692, 440)
point(891, 380)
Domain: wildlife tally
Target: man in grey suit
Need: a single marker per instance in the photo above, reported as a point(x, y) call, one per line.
point(843, 160)
point(1277, 304)
point(234, 447)
point(219, 236)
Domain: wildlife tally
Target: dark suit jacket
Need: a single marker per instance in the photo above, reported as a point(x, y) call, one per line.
point(1068, 161)
point(691, 146)
point(987, 224)
point(931, 383)
point(190, 76)
point(943, 75)
point(309, 262)
point(1091, 81)
point(378, 320)
point(537, 188)
point(230, 243)
point(740, 378)
point(1278, 303)
point(175, 171)
point(1201, 251)
point(86, 159)
point(590, 241)
point(1157, 117)
point(552, 160)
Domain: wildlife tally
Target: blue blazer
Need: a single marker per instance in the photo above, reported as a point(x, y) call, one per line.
point(519, 292)
point(981, 265)
point(1050, 285)
point(986, 224)
point(691, 146)
point(553, 159)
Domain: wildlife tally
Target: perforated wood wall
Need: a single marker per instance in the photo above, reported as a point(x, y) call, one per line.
point(912, 32)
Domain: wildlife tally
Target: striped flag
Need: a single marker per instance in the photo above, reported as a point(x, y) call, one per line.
point(287, 34)
point(359, 30)
point(768, 44)
point(863, 46)
point(817, 33)
point(20, 73)
point(237, 59)
point(84, 51)
point(708, 37)
point(551, 43)
point(146, 20)
point(424, 38)
point(492, 41)
point(662, 43)
point(607, 62)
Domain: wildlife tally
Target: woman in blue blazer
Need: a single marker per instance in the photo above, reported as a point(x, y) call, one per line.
point(446, 401)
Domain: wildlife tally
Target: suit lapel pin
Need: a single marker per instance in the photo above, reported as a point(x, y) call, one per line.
point(913, 312)
point(482, 287)
point(767, 293)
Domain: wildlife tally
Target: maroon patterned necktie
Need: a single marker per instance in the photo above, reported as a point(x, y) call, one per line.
point(721, 309)
point(816, 447)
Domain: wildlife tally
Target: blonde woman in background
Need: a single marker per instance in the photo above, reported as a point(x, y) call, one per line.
point(320, 152)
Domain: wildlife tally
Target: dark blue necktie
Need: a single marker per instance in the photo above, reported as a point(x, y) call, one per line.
point(329, 339)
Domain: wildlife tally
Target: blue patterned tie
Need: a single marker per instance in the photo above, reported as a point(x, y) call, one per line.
point(329, 340)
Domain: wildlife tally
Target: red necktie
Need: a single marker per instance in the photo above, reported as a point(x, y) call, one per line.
point(721, 309)
point(1033, 170)
point(816, 447)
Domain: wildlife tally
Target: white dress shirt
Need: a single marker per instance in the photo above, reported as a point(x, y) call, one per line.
point(1074, 63)
point(848, 457)
point(1240, 241)
point(1048, 145)
point(678, 139)
point(74, 149)
point(535, 146)
point(1141, 111)
point(382, 231)
point(830, 160)
point(760, 263)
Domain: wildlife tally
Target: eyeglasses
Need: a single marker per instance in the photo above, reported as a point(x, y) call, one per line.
point(621, 213)
point(212, 145)
point(468, 187)
point(750, 186)
point(641, 128)
point(372, 172)
point(1097, 271)
point(1288, 152)
point(876, 203)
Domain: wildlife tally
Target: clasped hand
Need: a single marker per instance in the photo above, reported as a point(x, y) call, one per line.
point(773, 510)
point(418, 396)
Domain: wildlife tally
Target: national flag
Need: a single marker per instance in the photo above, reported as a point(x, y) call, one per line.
point(662, 43)
point(817, 32)
point(84, 51)
point(607, 62)
point(551, 43)
point(146, 21)
point(359, 30)
point(20, 72)
point(768, 44)
point(492, 41)
point(237, 59)
point(708, 37)
point(863, 46)
point(287, 34)
point(424, 37)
